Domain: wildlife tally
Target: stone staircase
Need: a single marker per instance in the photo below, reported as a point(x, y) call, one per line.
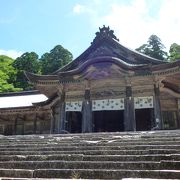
point(154, 154)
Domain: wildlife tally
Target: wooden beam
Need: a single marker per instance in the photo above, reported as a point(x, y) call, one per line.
point(4, 119)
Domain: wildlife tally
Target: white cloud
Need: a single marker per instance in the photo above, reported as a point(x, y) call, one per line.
point(11, 53)
point(130, 22)
point(135, 21)
point(78, 8)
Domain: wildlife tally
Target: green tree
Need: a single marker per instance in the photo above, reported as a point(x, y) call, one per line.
point(7, 74)
point(154, 48)
point(55, 59)
point(174, 52)
point(27, 62)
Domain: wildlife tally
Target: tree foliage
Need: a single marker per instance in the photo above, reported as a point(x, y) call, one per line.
point(55, 59)
point(174, 52)
point(154, 48)
point(7, 74)
point(12, 76)
point(27, 62)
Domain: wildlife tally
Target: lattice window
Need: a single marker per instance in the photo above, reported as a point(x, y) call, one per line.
point(74, 106)
point(143, 102)
point(108, 104)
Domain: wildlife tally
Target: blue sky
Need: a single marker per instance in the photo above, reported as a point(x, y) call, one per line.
point(39, 25)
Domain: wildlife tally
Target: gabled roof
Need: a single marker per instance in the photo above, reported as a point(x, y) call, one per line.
point(107, 44)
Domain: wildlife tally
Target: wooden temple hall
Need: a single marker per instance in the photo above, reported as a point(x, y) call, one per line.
point(108, 88)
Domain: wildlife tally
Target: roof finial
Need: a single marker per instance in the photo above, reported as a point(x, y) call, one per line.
point(105, 32)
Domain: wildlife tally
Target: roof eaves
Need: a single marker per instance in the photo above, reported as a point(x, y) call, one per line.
point(20, 93)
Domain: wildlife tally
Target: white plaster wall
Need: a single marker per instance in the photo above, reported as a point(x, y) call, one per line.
point(108, 104)
point(74, 106)
point(143, 102)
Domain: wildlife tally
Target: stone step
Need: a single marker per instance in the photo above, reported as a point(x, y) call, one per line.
point(108, 146)
point(101, 136)
point(17, 173)
point(134, 135)
point(96, 138)
point(86, 174)
point(64, 157)
point(155, 157)
point(95, 135)
point(141, 165)
point(9, 178)
point(146, 179)
point(81, 157)
point(106, 174)
point(94, 152)
point(105, 147)
point(86, 143)
point(90, 142)
point(92, 155)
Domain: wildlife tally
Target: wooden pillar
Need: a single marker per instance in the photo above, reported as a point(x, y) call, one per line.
point(23, 125)
point(41, 124)
point(153, 123)
point(52, 122)
point(15, 125)
point(129, 112)
point(62, 119)
point(178, 113)
point(35, 124)
point(87, 113)
point(157, 108)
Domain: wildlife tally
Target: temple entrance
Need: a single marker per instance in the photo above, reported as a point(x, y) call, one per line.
point(74, 121)
point(108, 121)
point(143, 119)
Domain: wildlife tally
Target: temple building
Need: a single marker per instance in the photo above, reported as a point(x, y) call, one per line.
point(108, 88)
